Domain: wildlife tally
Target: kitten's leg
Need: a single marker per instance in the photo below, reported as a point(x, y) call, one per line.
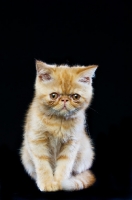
point(41, 157)
point(65, 161)
point(27, 162)
point(82, 176)
point(84, 157)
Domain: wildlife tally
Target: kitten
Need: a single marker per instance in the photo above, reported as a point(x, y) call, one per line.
point(56, 151)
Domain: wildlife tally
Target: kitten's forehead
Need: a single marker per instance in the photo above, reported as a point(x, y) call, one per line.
point(66, 79)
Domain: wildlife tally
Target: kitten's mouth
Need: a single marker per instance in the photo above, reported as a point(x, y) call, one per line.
point(64, 108)
point(64, 111)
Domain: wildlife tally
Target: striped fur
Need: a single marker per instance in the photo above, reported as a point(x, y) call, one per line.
point(56, 151)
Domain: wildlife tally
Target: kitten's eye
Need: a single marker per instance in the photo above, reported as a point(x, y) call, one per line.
point(76, 96)
point(54, 96)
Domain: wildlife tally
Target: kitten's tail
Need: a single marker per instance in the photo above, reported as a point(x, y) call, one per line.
point(79, 181)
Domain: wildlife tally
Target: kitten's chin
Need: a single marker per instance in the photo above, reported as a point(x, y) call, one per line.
point(66, 113)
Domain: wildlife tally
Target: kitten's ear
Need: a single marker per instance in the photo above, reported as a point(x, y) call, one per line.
point(43, 70)
point(87, 73)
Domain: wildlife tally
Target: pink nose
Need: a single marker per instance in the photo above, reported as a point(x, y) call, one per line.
point(64, 99)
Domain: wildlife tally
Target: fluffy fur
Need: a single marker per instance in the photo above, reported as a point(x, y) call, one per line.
point(56, 151)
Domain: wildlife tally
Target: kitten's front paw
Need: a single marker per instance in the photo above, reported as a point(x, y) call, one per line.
point(56, 186)
point(49, 186)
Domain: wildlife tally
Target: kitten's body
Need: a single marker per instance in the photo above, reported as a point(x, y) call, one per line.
point(56, 151)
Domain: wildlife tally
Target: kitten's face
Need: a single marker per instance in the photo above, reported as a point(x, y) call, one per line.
point(63, 90)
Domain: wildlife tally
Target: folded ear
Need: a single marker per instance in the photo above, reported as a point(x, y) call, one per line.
point(87, 73)
point(44, 70)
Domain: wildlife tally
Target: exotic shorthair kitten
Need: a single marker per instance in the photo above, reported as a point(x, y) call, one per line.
point(56, 151)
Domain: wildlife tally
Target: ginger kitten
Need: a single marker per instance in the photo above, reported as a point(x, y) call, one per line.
point(56, 151)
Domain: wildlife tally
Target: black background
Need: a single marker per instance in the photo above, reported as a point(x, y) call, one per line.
point(72, 32)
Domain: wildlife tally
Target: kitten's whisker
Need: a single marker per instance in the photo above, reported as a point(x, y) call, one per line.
point(93, 110)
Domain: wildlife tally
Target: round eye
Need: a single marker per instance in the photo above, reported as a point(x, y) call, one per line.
point(54, 96)
point(76, 96)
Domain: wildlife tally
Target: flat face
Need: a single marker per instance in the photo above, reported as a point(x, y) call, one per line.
point(64, 90)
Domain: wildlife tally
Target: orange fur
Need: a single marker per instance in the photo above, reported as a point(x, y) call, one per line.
point(56, 151)
point(62, 157)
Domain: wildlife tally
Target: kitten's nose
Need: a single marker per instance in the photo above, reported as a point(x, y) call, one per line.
point(64, 99)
